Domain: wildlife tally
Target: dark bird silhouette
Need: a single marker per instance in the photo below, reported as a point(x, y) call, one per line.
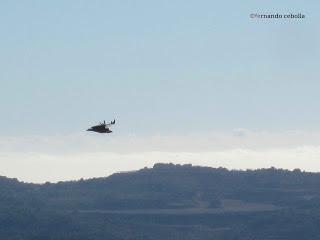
point(102, 127)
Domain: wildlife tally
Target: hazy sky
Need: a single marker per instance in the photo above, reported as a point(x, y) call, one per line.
point(187, 81)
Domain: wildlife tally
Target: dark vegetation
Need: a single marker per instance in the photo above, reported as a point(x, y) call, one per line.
point(165, 202)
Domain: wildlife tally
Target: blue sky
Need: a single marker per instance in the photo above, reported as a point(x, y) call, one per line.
point(159, 67)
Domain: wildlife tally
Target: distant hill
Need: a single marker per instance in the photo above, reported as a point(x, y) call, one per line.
point(163, 202)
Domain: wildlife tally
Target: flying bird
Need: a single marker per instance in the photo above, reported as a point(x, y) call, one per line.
point(102, 127)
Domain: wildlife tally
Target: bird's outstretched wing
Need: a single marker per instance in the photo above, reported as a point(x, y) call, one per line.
point(109, 124)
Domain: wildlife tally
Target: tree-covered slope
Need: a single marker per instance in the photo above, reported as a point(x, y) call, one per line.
point(165, 202)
